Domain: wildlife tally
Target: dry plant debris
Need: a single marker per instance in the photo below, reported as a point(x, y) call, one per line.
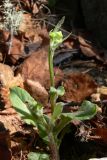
point(17, 48)
point(7, 80)
point(78, 86)
point(99, 134)
point(5, 153)
point(90, 50)
point(34, 73)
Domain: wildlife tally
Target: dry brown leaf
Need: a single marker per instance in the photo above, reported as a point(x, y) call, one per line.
point(78, 86)
point(100, 134)
point(18, 134)
point(27, 28)
point(30, 5)
point(89, 50)
point(7, 80)
point(4, 35)
point(35, 72)
point(26, 23)
point(26, 3)
point(37, 91)
point(31, 31)
point(7, 77)
point(35, 68)
point(16, 50)
point(71, 43)
point(7, 73)
point(35, 9)
point(102, 90)
point(95, 97)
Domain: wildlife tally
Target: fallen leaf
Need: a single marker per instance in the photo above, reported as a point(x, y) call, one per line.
point(35, 9)
point(101, 93)
point(78, 86)
point(37, 91)
point(8, 80)
point(35, 67)
point(26, 4)
point(100, 134)
point(96, 97)
point(35, 29)
point(102, 90)
point(30, 6)
point(4, 35)
point(35, 72)
point(26, 23)
point(89, 50)
point(16, 51)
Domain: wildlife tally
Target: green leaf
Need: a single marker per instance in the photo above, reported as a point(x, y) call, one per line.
point(53, 90)
point(53, 94)
point(25, 105)
point(49, 122)
point(56, 36)
point(44, 130)
point(60, 91)
point(59, 24)
point(57, 110)
point(29, 110)
point(23, 95)
point(86, 112)
point(38, 156)
point(17, 99)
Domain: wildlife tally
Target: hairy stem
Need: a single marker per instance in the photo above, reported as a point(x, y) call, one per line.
point(53, 147)
point(51, 68)
point(51, 71)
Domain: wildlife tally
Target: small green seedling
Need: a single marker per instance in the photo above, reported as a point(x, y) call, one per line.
point(49, 126)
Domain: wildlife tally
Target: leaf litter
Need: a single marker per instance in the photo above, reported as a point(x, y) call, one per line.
point(27, 66)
